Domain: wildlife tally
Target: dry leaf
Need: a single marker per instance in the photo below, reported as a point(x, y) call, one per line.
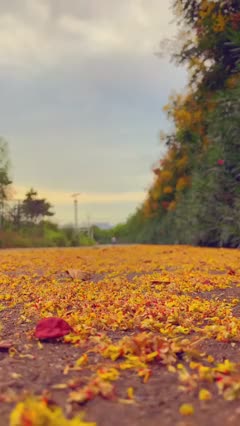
point(59, 386)
point(77, 274)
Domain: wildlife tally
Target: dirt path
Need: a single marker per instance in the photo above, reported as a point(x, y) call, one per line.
point(154, 327)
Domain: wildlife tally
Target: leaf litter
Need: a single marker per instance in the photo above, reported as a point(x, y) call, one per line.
point(140, 328)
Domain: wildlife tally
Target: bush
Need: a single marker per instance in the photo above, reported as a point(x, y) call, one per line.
point(85, 240)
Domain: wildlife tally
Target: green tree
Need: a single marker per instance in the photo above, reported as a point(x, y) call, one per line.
point(34, 208)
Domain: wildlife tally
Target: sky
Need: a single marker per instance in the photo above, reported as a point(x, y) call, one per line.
point(82, 93)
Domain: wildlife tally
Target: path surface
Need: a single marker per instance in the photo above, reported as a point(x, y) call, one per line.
point(153, 328)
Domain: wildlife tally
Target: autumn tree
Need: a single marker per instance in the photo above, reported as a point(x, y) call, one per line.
point(195, 195)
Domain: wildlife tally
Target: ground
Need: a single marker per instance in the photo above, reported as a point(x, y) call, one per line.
point(155, 335)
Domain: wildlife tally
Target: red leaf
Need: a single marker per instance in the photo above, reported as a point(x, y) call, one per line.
point(52, 328)
point(220, 162)
point(5, 345)
point(165, 204)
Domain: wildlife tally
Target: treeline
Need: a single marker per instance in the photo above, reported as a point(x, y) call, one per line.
point(25, 223)
point(44, 234)
point(195, 194)
point(28, 222)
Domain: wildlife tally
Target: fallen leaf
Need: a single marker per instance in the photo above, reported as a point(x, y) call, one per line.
point(126, 401)
point(52, 328)
point(33, 412)
point(186, 409)
point(82, 360)
point(16, 376)
point(130, 393)
point(59, 386)
point(77, 274)
point(5, 345)
point(29, 356)
point(204, 395)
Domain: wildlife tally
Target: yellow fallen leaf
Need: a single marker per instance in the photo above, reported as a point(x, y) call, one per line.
point(145, 373)
point(204, 395)
point(82, 360)
point(186, 410)
point(16, 375)
point(66, 370)
point(171, 369)
point(108, 374)
point(35, 412)
point(40, 345)
point(126, 401)
point(12, 352)
point(130, 393)
point(29, 356)
point(59, 386)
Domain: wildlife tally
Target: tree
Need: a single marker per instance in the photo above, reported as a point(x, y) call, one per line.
point(15, 214)
point(4, 170)
point(195, 195)
point(34, 208)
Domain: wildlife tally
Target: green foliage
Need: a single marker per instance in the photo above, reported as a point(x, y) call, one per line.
point(102, 236)
point(4, 170)
point(34, 208)
point(76, 239)
point(199, 204)
point(85, 240)
point(42, 234)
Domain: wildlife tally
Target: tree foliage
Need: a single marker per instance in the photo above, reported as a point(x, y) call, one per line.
point(4, 170)
point(195, 194)
point(34, 208)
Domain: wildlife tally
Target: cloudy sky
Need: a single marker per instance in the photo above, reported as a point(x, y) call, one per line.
point(81, 99)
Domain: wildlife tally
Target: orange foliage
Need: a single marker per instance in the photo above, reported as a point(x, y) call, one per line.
point(182, 183)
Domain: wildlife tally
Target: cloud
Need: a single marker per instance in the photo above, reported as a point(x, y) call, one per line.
point(44, 33)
